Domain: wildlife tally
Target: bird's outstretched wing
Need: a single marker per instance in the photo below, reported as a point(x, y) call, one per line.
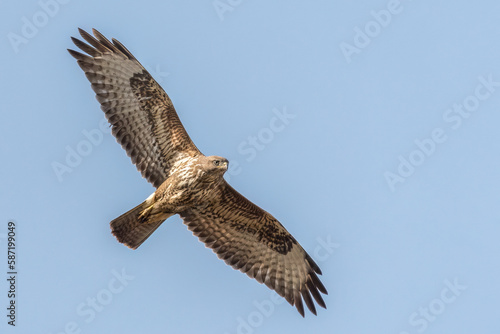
point(141, 114)
point(251, 240)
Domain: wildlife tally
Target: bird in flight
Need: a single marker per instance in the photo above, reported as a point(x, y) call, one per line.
point(188, 183)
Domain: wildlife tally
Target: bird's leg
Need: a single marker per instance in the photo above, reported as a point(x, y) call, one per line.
point(144, 216)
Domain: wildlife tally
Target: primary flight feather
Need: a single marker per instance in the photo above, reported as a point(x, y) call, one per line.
point(145, 123)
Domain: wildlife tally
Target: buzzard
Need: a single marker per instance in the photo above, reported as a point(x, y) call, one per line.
point(188, 183)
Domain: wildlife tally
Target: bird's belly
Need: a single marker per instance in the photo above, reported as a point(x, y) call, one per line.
point(176, 196)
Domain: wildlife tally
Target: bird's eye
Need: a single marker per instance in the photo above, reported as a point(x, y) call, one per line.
point(216, 162)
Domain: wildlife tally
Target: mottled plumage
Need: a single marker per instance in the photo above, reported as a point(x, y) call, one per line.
point(145, 123)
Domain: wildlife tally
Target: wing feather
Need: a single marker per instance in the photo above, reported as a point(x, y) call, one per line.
point(251, 240)
point(142, 116)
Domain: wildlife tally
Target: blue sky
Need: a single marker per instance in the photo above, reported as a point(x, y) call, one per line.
point(368, 128)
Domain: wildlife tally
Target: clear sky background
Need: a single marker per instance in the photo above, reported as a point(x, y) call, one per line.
point(386, 168)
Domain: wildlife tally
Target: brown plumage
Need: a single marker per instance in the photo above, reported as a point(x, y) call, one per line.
point(145, 123)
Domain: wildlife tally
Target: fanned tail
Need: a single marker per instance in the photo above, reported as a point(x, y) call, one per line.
point(135, 226)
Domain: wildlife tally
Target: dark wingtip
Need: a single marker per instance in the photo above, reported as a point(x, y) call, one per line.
point(306, 296)
point(298, 303)
point(301, 310)
point(77, 55)
point(314, 292)
point(313, 264)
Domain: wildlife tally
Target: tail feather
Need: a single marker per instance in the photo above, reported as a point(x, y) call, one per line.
point(133, 227)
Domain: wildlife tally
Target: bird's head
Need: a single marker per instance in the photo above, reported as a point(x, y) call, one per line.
point(216, 165)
